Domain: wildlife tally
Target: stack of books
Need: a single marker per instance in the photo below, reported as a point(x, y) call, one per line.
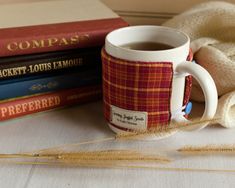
point(50, 54)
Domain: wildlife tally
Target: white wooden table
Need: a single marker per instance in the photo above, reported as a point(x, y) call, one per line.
point(86, 122)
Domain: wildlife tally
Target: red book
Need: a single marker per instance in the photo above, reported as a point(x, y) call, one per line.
point(18, 107)
point(35, 27)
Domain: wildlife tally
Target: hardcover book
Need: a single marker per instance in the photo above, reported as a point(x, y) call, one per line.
point(49, 62)
point(35, 27)
point(18, 107)
point(30, 85)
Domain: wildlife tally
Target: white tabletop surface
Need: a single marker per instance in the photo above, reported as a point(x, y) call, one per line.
point(85, 122)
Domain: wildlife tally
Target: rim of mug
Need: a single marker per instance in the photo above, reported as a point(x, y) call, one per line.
point(117, 50)
point(175, 31)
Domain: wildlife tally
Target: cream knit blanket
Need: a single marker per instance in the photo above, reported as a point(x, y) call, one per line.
point(211, 27)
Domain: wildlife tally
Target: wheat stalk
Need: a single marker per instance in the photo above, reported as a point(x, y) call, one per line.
point(156, 131)
point(103, 157)
point(118, 166)
point(162, 129)
point(208, 149)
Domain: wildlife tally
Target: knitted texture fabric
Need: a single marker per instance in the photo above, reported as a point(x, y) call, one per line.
point(211, 27)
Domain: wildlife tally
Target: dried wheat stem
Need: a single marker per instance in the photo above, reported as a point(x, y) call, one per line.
point(116, 166)
point(133, 135)
point(104, 156)
point(109, 155)
point(208, 149)
point(181, 169)
point(77, 144)
point(21, 155)
point(164, 129)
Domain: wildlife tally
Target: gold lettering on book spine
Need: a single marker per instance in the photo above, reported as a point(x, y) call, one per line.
point(30, 106)
point(47, 43)
point(40, 67)
point(38, 43)
point(68, 63)
point(15, 71)
point(49, 85)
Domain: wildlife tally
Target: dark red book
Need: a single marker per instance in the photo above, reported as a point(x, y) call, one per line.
point(54, 25)
point(18, 107)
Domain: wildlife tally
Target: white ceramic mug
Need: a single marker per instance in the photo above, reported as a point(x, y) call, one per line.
point(177, 55)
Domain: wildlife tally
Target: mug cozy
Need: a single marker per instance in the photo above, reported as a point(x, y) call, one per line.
point(140, 86)
point(211, 28)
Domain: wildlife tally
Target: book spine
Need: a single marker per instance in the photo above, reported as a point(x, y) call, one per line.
point(38, 84)
point(26, 65)
point(33, 104)
point(55, 37)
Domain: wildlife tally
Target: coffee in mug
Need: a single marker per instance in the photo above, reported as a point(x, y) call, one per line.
point(147, 46)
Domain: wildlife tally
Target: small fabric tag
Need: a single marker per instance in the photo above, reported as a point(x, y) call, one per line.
point(129, 119)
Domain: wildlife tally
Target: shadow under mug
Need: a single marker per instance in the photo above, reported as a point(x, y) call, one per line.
point(144, 89)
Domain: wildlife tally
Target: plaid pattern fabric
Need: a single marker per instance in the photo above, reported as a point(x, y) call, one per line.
point(140, 86)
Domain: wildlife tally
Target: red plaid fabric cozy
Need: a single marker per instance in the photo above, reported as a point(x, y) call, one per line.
point(139, 86)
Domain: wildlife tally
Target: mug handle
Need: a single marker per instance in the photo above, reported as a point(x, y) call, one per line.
point(209, 90)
